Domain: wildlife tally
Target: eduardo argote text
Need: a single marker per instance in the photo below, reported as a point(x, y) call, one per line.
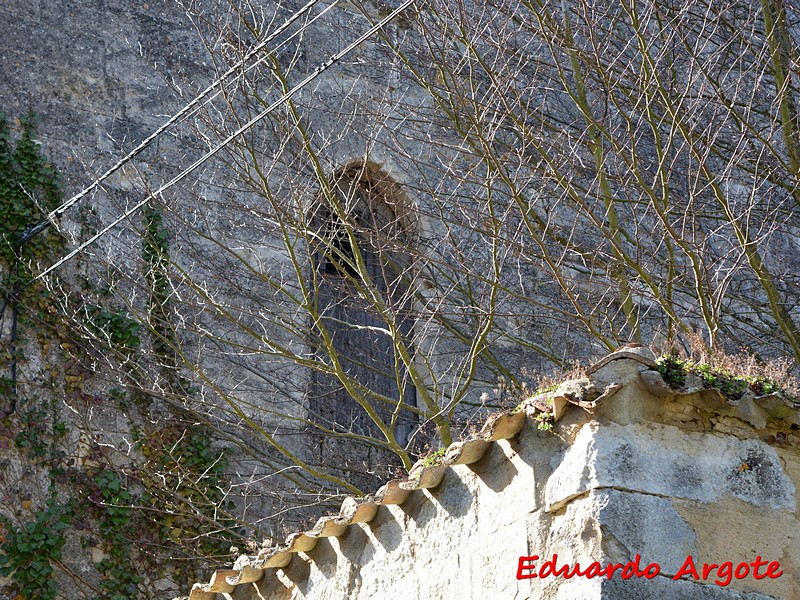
point(722, 574)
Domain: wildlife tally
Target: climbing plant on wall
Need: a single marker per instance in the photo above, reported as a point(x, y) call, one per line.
point(29, 189)
point(176, 471)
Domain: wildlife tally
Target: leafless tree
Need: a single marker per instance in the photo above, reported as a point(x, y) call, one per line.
point(480, 192)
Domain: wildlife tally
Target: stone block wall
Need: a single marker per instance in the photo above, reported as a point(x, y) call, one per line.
point(676, 479)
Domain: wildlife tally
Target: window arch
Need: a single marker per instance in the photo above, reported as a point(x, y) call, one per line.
point(361, 269)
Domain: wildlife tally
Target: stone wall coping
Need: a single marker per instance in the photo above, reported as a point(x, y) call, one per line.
point(628, 366)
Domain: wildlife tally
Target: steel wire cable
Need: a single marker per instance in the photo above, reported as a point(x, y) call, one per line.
point(187, 111)
point(200, 161)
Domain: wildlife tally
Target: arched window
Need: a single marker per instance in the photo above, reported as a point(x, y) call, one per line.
point(361, 284)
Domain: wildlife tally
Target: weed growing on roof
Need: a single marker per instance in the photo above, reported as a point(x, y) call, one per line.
point(674, 371)
point(547, 390)
point(434, 458)
point(539, 392)
point(545, 421)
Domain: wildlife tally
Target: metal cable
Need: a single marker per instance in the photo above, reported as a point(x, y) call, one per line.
point(319, 70)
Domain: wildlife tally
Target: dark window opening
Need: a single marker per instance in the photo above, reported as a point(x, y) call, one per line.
point(358, 253)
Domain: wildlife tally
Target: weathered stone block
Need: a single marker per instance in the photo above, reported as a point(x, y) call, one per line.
point(666, 461)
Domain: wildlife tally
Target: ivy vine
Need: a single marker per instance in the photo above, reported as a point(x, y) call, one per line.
point(30, 549)
point(30, 188)
point(169, 502)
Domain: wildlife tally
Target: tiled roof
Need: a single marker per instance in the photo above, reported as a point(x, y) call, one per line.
point(248, 569)
point(583, 393)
